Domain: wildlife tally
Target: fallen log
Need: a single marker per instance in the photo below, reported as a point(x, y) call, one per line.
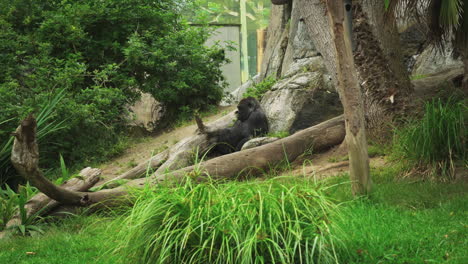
point(182, 154)
point(254, 160)
point(178, 156)
point(41, 204)
point(246, 162)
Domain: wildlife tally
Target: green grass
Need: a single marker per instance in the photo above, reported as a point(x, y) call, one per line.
point(281, 220)
point(75, 240)
point(437, 140)
point(279, 134)
point(403, 221)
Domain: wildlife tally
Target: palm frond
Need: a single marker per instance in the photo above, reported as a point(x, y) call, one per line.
point(45, 126)
point(444, 20)
point(449, 14)
point(460, 40)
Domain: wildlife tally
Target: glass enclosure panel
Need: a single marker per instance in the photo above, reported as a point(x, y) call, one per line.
point(252, 17)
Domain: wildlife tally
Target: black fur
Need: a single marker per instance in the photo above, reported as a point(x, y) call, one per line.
point(251, 122)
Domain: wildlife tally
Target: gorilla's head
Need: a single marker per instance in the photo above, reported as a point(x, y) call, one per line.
point(245, 107)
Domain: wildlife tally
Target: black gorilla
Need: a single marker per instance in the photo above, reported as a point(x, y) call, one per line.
point(251, 122)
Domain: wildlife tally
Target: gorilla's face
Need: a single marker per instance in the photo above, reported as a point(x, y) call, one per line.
point(245, 108)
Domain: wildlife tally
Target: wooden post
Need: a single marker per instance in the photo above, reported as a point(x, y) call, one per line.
point(351, 98)
point(244, 43)
point(260, 47)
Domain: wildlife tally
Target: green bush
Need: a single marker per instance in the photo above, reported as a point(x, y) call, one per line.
point(259, 89)
point(281, 220)
point(12, 202)
point(101, 53)
point(438, 139)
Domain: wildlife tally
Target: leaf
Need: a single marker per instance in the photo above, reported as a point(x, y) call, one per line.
point(387, 4)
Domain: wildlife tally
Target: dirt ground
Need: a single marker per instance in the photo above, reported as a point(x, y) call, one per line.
point(145, 147)
point(330, 163)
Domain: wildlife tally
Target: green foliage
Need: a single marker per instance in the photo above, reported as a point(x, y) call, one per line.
point(259, 89)
point(100, 54)
point(46, 125)
point(12, 202)
point(279, 134)
point(275, 221)
point(8, 202)
point(27, 223)
point(438, 139)
point(228, 12)
point(447, 21)
point(184, 74)
point(417, 77)
point(374, 150)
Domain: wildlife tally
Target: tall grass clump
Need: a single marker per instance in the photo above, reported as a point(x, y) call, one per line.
point(274, 221)
point(437, 140)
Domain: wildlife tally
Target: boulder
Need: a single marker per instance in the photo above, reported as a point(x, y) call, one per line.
point(432, 61)
point(309, 64)
point(146, 113)
point(300, 101)
point(413, 41)
point(259, 141)
point(235, 96)
point(300, 46)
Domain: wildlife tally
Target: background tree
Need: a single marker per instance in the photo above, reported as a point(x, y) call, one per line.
point(446, 22)
point(101, 54)
point(379, 64)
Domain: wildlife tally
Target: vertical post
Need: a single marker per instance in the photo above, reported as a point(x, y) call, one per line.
point(349, 22)
point(244, 47)
point(351, 98)
point(260, 48)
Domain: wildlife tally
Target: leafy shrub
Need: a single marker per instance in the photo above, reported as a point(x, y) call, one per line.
point(259, 89)
point(275, 221)
point(438, 139)
point(101, 53)
point(8, 202)
point(12, 202)
point(45, 126)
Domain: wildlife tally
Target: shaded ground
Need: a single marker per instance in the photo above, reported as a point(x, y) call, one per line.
point(328, 164)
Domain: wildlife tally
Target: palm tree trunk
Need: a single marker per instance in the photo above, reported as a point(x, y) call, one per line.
point(465, 76)
point(383, 77)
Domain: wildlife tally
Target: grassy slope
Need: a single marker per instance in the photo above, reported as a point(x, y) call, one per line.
point(404, 221)
point(77, 240)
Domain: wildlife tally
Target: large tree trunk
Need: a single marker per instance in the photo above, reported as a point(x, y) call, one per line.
point(382, 74)
point(351, 98)
point(465, 76)
point(380, 67)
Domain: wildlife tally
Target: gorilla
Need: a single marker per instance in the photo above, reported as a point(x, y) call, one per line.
point(251, 122)
point(280, 2)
